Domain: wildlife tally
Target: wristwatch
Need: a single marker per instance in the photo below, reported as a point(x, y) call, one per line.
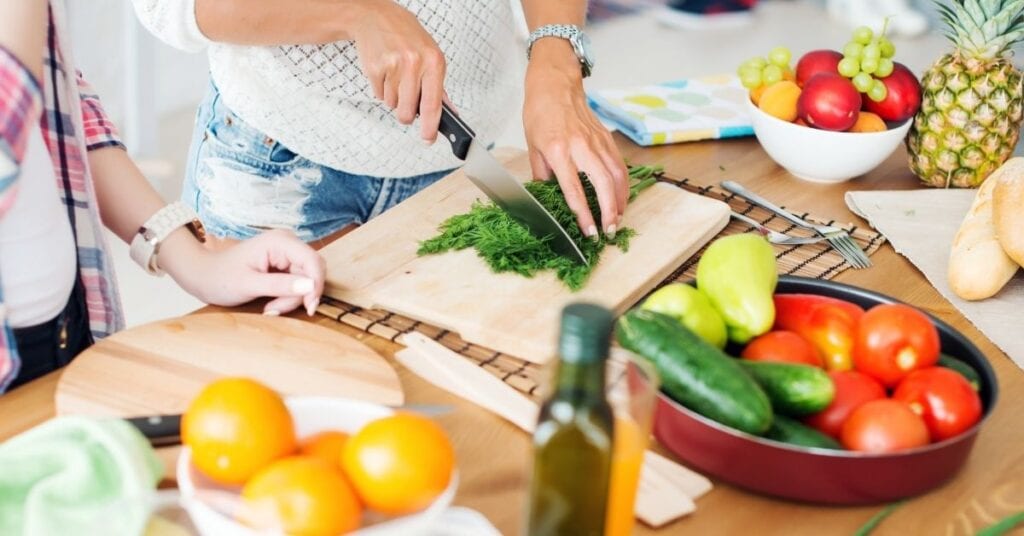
point(579, 40)
point(158, 227)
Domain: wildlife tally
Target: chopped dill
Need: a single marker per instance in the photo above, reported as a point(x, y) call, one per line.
point(507, 246)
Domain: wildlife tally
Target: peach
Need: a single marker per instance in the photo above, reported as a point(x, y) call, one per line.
point(779, 100)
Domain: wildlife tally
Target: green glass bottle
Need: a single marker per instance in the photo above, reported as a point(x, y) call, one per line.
point(573, 439)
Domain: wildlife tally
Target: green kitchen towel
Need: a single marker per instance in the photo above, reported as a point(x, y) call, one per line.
point(77, 475)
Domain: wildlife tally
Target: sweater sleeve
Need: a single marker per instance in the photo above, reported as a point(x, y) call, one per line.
point(173, 22)
point(21, 103)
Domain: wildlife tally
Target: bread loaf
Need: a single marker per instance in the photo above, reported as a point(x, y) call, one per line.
point(978, 266)
point(1008, 209)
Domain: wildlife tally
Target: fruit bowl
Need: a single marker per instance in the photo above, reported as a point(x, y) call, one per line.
point(820, 155)
point(818, 475)
point(208, 503)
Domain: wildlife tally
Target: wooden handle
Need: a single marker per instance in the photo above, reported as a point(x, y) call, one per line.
point(666, 490)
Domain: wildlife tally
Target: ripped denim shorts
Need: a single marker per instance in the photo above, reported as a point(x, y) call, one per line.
point(241, 182)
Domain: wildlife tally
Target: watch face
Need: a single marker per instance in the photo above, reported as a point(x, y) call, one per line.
point(585, 50)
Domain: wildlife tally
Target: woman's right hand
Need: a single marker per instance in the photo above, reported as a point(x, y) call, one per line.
point(403, 63)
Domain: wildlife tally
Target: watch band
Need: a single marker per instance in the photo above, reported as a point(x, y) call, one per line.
point(569, 32)
point(159, 226)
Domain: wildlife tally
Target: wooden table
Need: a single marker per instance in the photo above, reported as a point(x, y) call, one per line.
point(493, 455)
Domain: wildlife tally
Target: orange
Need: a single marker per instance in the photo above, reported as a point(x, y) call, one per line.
point(301, 495)
point(779, 100)
point(235, 427)
point(326, 445)
point(399, 464)
point(868, 122)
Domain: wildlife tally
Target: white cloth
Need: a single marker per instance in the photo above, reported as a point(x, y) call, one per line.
point(920, 225)
point(37, 247)
point(316, 101)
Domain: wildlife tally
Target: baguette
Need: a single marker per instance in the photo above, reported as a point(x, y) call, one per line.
point(978, 266)
point(1008, 210)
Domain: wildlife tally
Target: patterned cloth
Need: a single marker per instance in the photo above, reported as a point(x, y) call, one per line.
point(315, 100)
point(73, 123)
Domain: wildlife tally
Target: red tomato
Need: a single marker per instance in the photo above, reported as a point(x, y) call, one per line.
point(884, 426)
point(943, 398)
point(784, 347)
point(893, 340)
point(853, 389)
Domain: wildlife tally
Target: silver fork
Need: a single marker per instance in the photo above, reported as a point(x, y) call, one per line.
point(838, 238)
point(774, 236)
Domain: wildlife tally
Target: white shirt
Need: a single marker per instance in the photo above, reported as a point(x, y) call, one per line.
point(316, 101)
point(37, 247)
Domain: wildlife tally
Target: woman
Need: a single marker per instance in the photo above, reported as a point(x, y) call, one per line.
point(61, 167)
point(319, 136)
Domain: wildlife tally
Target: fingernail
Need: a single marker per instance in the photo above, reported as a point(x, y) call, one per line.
point(311, 310)
point(271, 312)
point(611, 231)
point(592, 231)
point(303, 285)
point(427, 142)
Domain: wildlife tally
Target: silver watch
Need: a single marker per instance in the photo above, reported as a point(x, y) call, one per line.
point(579, 40)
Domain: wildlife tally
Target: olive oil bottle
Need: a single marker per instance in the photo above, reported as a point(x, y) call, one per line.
point(573, 439)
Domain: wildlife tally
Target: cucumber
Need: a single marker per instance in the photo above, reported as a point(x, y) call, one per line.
point(695, 373)
point(793, 389)
point(789, 431)
point(964, 369)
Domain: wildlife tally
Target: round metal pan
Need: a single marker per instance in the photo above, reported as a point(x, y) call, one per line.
point(824, 476)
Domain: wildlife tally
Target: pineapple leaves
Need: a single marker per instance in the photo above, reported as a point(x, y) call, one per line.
point(982, 29)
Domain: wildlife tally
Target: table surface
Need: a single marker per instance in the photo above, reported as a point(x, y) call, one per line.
point(493, 455)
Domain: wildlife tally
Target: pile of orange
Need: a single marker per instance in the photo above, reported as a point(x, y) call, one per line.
point(241, 433)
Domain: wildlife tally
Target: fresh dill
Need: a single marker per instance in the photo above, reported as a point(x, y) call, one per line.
point(507, 246)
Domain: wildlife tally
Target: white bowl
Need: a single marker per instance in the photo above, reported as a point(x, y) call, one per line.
point(820, 155)
point(311, 415)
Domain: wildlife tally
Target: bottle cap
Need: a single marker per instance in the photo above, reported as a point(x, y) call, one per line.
point(586, 333)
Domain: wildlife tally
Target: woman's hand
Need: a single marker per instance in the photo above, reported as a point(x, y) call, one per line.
point(274, 264)
point(403, 63)
point(565, 138)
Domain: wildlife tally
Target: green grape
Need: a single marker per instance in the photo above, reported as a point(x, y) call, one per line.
point(886, 47)
point(771, 74)
point(869, 65)
point(863, 35)
point(872, 51)
point(853, 50)
point(849, 67)
point(863, 82)
point(757, 62)
point(780, 56)
point(750, 77)
point(885, 67)
point(878, 91)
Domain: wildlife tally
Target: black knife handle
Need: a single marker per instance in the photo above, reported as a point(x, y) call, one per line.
point(455, 131)
point(160, 430)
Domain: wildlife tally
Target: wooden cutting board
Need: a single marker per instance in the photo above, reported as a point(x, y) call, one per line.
point(376, 266)
point(158, 368)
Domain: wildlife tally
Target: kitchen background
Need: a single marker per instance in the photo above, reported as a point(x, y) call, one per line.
point(151, 90)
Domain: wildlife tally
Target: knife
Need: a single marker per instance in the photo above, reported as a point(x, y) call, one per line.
point(165, 430)
point(502, 188)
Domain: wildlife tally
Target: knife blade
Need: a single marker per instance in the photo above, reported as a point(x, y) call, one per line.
point(502, 188)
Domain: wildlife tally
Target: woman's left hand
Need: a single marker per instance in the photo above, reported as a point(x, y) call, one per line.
point(274, 264)
point(564, 137)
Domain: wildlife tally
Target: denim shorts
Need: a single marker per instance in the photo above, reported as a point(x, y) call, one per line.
point(241, 183)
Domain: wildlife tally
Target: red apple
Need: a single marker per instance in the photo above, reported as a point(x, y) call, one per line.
point(829, 102)
point(903, 98)
point(817, 61)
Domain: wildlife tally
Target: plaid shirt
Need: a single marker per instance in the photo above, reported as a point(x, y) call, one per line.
point(73, 123)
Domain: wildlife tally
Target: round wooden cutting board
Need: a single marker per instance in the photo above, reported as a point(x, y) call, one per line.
point(157, 369)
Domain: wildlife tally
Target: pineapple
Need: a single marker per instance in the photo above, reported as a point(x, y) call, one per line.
point(970, 113)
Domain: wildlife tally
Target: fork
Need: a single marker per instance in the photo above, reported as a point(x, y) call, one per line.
point(838, 238)
point(774, 236)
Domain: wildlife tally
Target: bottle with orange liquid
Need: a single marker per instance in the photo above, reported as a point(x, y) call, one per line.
point(573, 440)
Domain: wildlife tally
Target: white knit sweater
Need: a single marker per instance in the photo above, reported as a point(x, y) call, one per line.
point(317, 102)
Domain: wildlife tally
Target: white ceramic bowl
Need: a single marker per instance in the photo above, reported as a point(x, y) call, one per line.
point(311, 415)
point(821, 155)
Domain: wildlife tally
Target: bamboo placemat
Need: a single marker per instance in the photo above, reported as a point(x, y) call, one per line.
point(811, 260)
